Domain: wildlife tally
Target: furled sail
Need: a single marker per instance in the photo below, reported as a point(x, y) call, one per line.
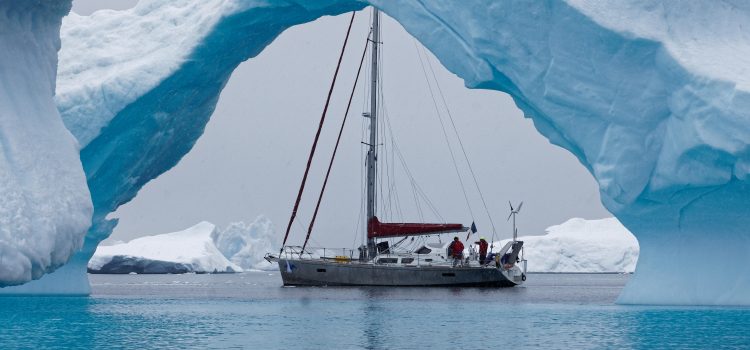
point(377, 229)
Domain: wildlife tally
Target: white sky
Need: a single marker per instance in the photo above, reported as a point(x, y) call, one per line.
point(251, 158)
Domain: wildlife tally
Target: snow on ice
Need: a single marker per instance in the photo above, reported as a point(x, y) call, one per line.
point(246, 244)
point(580, 245)
point(191, 250)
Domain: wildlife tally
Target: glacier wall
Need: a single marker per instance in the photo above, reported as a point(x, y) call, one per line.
point(45, 207)
point(651, 97)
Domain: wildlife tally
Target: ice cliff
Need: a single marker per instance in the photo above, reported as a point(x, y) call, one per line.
point(652, 97)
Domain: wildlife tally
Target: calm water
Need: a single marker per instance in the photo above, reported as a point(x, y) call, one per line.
point(251, 310)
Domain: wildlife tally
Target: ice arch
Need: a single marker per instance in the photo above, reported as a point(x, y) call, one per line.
point(652, 98)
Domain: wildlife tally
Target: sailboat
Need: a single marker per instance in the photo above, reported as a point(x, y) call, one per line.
point(378, 264)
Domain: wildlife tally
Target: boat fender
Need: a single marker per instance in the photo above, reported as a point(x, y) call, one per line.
point(523, 276)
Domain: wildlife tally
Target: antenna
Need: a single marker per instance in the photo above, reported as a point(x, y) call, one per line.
point(513, 213)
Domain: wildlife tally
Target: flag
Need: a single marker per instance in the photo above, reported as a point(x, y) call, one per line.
point(472, 230)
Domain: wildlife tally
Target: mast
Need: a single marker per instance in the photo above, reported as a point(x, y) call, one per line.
point(372, 156)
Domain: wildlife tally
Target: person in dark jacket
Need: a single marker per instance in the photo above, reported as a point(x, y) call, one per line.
point(456, 251)
point(483, 245)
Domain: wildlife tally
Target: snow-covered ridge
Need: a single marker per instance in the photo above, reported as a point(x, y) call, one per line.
point(580, 245)
point(203, 248)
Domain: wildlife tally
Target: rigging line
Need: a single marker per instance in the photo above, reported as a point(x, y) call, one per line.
point(382, 169)
point(445, 134)
point(417, 190)
point(361, 210)
point(336, 147)
point(392, 154)
point(356, 228)
point(388, 148)
point(388, 173)
point(397, 199)
point(384, 179)
point(388, 165)
point(419, 193)
point(392, 184)
point(463, 150)
point(363, 155)
point(432, 207)
point(317, 136)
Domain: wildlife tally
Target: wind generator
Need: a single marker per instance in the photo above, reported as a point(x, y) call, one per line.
point(513, 213)
point(511, 250)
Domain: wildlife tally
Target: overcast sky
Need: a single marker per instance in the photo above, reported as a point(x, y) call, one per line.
point(251, 158)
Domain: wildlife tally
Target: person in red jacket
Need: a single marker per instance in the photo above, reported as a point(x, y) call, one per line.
point(456, 250)
point(483, 245)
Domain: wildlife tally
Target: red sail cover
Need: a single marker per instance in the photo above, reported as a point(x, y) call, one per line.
point(377, 229)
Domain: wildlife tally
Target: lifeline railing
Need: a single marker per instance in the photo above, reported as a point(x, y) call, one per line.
point(348, 255)
point(341, 254)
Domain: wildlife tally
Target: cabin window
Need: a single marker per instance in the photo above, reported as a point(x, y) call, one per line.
point(423, 250)
point(321, 270)
point(407, 260)
point(449, 274)
point(388, 261)
point(428, 260)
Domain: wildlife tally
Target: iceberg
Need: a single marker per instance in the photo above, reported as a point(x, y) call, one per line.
point(203, 248)
point(137, 107)
point(247, 244)
point(651, 97)
point(581, 246)
point(45, 205)
point(191, 250)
